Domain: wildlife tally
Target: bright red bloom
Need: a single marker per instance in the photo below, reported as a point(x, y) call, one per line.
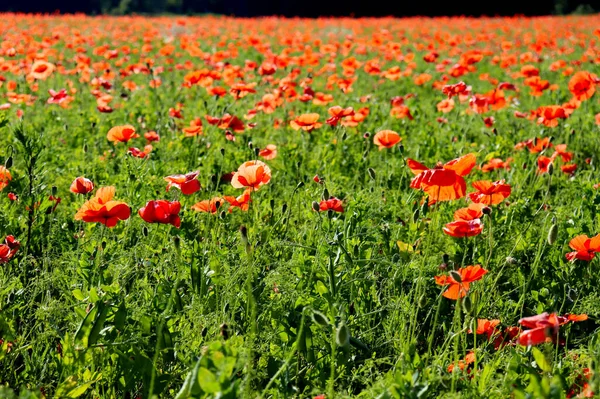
point(8, 249)
point(583, 85)
point(332, 204)
point(472, 212)
point(227, 121)
point(489, 193)
point(338, 113)
point(459, 281)
point(455, 89)
point(544, 327)
point(463, 228)
point(543, 163)
point(81, 185)
point(161, 211)
point(188, 183)
point(584, 248)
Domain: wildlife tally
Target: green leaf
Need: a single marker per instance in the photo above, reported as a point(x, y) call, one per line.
point(541, 360)
point(208, 381)
point(78, 295)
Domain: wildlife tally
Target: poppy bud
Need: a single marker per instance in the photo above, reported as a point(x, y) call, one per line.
point(204, 332)
point(271, 203)
point(552, 234)
point(422, 301)
point(300, 185)
point(222, 215)
point(85, 148)
point(250, 145)
point(222, 151)
point(145, 231)
point(467, 305)
point(177, 242)
point(224, 331)
point(372, 174)
point(445, 258)
point(298, 164)
point(367, 135)
point(342, 336)
point(53, 191)
point(400, 149)
point(256, 151)
point(550, 168)
point(319, 318)
point(9, 162)
point(544, 292)
point(103, 245)
point(425, 208)
point(325, 194)
point(486, 210)
point(315, 206)
point(456, 276)
point(283, 208)
point(416, 215)
point(344, 136)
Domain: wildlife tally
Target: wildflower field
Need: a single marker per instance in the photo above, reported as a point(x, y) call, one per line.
point(211, 207)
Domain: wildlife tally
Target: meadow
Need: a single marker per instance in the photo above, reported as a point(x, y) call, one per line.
point(212, 207)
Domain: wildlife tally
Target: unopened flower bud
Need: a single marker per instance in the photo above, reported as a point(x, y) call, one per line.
point(315, 206)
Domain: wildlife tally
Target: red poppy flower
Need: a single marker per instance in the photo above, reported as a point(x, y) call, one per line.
point(463, 228)
point(306, 122)
point(269, 152)
point(543, 163)
point(209, 206)
point(445, 181)
point(188, 183)
point(332, 204)
point(584, 248)
point(8, 249)
point(455, 89)
point(194, 129)
point(103, 209)
point(161, 211)
point(459, 282)
point(583, 85)
point(338, 113)
point(227, 121)
point(472, 212)
point(386, 139)
point(544, 327)
point(489, 193)
point(242, 201)
point(251, 174)
point(81, 185)
point(496, 163)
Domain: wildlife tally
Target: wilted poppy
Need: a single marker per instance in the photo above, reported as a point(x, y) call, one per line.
point(161, 211)
point(81, 185)
point(445, 181)
point(122, 134)
point(251, 174)
point(188, 183)
point(103, 209)
point(489, 193)
point(584, 248)
point(306, 122)
point(459, 281)
point(386, 139)
point(5, 177)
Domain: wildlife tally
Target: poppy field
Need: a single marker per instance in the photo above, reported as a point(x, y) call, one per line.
point(212, 207)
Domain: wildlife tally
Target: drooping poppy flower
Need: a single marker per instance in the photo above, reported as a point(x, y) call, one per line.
point(490, 193)
point(188, 183)
point(41, 70)
point(583, 85)
point(5, 177)
point(103, 209)
point(122, 134)
point(584, 248)
point(8, 249)
point(81, 185)
point(472, 212)
point(463, 228)
point(459, 281)
point(445, 181)
point(209, 206)
point(252, 174)
point(269, 152)
point(306, 122)
point(161, 211)
point(386, 139)
point(242, 201)
point(496, 163)
point(332, 204)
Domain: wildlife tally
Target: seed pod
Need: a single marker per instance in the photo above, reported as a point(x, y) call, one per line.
point(315, 206)
point(372, 174)
point(223, 151)
point(552, 234)
point(467, 305)
point(486, 210)
point(342, 336)
point(456, 276)
point(319, 318)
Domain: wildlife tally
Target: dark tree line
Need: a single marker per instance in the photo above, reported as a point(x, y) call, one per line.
point(307, 8)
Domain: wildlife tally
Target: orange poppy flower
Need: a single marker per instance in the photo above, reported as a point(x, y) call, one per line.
point(242, 201)
point(560, 150)
point(487, 327)
point(584, 248)
point(103, 209)
point(306, 122)
point(209, 206)
point(583, 85)
point(569, 168)
point(81, 185)
point(269, 152)
point(446, 105)
point(463, 228)
point(472, 212)
point(549, 115)
point(122, 134)
point(338, 113)
point(332, 204)
point(496, 163)
point(194, 129)
point(463, 363)
point(252, 174)
point(489, 193)
point(41, 70)
point(459, 281)
point(5, 177)
point(386, 139)
point(188, 183)
point(445, 181)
